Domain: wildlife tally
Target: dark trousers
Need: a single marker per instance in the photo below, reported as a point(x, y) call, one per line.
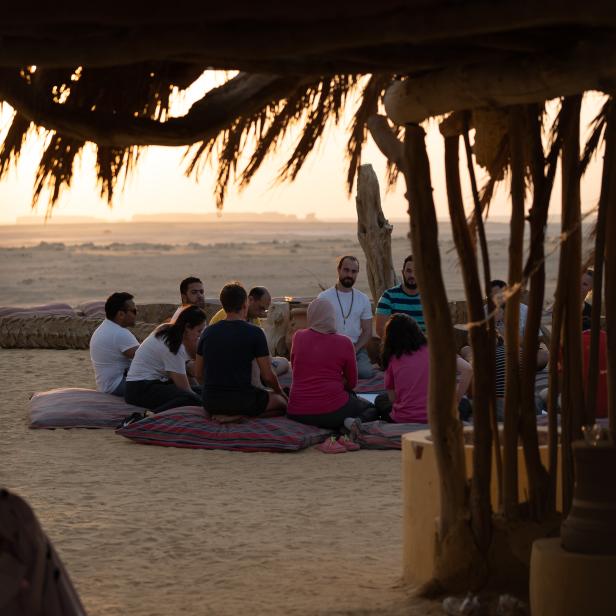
point(384, 407)
point(159, 396)
point(354, 407)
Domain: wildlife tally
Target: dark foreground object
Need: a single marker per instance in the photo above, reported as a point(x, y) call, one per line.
point(590, 527)
point(33, 580)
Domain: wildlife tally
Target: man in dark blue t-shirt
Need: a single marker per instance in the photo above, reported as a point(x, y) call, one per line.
point(224, 359)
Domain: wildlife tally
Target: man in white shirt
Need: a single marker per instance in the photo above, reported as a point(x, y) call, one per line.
point(192, 293)
point(353, 312)
point(112, 345)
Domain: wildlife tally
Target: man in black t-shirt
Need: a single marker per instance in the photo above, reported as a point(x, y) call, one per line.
point(223, 365)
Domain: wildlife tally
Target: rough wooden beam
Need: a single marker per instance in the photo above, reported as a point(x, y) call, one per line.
point(590, 65)
point(271, 29)
point(244, 94)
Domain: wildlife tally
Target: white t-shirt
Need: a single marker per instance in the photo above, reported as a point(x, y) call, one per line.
point(107, 345)
point(153, 360)
point(350, 308)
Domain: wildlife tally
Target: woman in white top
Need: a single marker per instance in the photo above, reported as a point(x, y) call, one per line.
point(157, 377)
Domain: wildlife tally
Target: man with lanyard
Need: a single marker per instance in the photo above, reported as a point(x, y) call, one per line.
point(353, 312)
point(403, 298)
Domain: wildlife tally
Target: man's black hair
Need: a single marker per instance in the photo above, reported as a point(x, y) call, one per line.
point(258, 292)
point(186, 283)
point(233, 297)
point(409, 258)
point(341, 261)
point(501, 284)
point(116, 302)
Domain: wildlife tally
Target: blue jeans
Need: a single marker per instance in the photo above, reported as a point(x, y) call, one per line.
point(365, 370)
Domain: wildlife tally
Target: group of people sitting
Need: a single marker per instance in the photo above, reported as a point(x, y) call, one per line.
point(226, 365)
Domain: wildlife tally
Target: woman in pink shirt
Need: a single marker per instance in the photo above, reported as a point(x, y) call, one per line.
point(407, 369)
point(324, 372)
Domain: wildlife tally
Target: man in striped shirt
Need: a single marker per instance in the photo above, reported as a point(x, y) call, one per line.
point(402, 298)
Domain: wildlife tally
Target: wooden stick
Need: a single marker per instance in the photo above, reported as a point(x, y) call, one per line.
point(483, 381)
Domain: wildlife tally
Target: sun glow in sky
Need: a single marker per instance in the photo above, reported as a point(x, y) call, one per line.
point(159, 185)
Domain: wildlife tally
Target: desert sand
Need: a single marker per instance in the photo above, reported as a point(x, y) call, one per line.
point(158, 531)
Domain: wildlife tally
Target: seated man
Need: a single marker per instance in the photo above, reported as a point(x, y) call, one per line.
point(112, 346)
point(353, 313)
point(224, 362)
point(403, 298)
point(499, 299)
point(192, 294)
point(259, 301)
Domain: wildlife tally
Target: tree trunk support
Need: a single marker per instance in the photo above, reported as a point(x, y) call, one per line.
point(459, 565)
point(374, 233)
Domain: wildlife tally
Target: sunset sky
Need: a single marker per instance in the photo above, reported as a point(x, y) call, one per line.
point(159, 183)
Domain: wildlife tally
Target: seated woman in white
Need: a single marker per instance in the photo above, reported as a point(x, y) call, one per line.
point(157, 377)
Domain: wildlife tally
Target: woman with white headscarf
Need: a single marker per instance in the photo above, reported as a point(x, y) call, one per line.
point(324, 372)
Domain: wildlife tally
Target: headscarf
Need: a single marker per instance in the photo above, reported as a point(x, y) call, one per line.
point(321, 316)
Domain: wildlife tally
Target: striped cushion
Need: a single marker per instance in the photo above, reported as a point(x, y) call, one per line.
point(74, 407)
point(189, 427)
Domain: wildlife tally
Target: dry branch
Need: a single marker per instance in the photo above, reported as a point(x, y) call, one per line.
point(242, 95)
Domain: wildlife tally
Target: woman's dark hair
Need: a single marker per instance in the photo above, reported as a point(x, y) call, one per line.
point(402, 336)
point(171, 334)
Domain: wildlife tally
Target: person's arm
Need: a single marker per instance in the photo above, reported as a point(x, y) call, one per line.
point(383, 312)
point(198, 369)
point(381, 321)
point(391, 394)
point(349, 369)
point(366, 334)
point(465, 374)
point(179, 380)
point(267, 375)
point(130, 353)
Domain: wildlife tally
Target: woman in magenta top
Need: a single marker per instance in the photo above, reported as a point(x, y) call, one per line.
point(407, 370)
point(324, 372)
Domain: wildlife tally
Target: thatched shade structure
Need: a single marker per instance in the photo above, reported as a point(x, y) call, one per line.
point(90, 73)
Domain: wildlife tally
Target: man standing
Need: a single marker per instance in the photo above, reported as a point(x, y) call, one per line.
point(225, 355)
point(192, 294)
point(112, 346)
point(353, 312)
point(403, 298)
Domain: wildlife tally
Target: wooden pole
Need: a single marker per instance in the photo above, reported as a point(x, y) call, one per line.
point(597, 287)
point(572, 407)
point(610, 269)
point(538, 480)
point(373, 233)
point(490, 364)
point(481, 514)
point(459, 564)
point(512, 316)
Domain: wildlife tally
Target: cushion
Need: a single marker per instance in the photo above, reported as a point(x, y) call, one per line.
point(190, 427)
point(384, 435)
point(78, 408)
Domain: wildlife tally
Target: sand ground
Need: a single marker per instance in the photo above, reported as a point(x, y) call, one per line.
point(154, 531)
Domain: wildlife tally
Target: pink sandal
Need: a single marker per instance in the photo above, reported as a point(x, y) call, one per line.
point(331, 445)
point(348, 444)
